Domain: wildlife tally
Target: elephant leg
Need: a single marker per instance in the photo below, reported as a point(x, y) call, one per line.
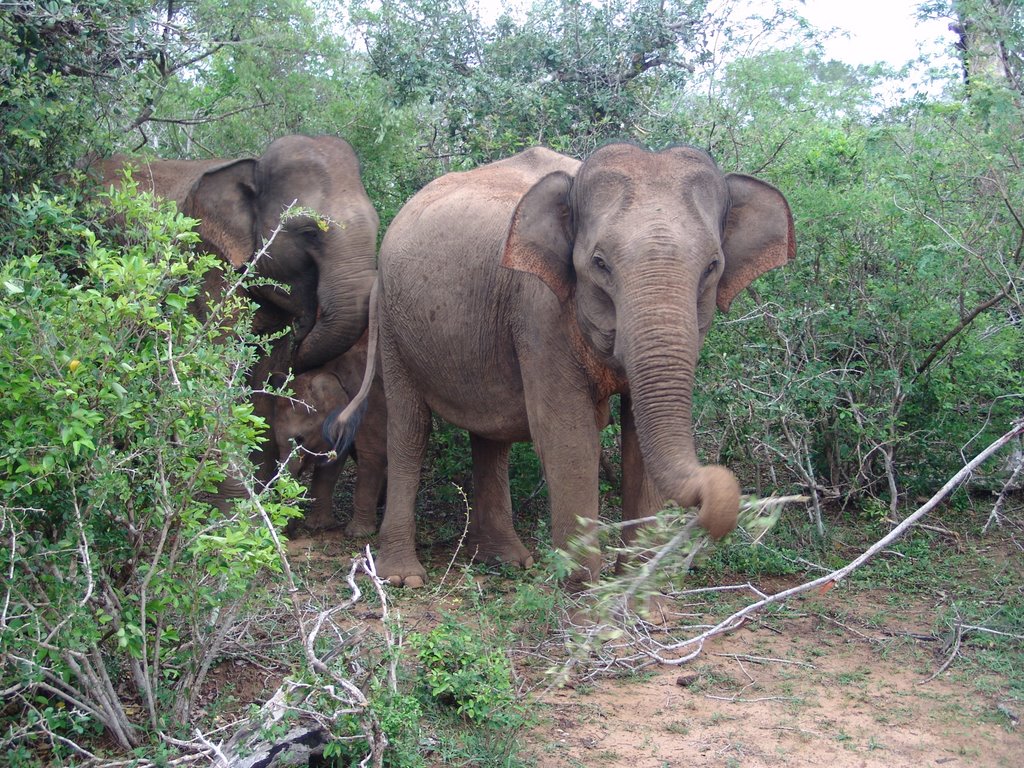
point(408, 430)
point(491, 536)
point(265, 456)
point(563, 424)
point(371, 455)
point(321, 512)
point(228, 490)
point(371, 472)
point(640, 497)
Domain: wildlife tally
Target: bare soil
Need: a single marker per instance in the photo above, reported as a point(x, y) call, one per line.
point(832, 694)
point(835, 680)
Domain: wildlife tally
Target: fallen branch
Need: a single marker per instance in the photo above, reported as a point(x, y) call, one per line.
point(958, 636)
point(762, 659)
point(825, 583)
point(620, 639)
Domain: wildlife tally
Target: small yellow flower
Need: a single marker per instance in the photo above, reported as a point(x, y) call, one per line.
point(73, 365)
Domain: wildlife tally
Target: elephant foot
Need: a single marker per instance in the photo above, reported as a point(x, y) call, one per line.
point(505, 549)
point(361, 526)
point(310, 524)
point(401, 571)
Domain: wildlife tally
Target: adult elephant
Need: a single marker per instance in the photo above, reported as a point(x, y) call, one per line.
point(516, 298)
point(324, 256)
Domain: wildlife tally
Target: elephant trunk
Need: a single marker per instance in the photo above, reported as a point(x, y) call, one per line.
point(347, 269)
point(659, 345)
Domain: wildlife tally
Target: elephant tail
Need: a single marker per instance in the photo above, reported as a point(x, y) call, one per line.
point(340, 427)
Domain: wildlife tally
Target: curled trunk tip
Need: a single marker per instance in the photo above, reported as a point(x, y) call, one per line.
point(717, 492)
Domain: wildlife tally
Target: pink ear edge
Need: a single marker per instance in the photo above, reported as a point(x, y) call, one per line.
point(776, 255)
point(523, 258)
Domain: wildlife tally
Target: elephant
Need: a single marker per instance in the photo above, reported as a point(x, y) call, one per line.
point(323, 266)
point(516, 298)
point(326, 263)
point(296, 431)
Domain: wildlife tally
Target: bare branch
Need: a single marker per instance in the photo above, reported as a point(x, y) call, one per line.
point(964, 323)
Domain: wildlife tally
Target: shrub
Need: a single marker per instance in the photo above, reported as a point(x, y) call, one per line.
point(462, 672)
point(122, 413)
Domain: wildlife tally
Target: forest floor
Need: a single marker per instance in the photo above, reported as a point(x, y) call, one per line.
point(831, 684)
point(842, 679)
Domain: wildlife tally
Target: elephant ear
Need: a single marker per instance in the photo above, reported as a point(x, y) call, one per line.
point(327, 392)
point(224, 200)
point(540, 238)
point(758, 235)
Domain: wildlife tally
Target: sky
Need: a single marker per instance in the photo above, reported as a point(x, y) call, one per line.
point(879, 30)
point(869, 30)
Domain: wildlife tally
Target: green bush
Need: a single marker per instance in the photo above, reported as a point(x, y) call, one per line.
point(461, 671)
point(122, 413)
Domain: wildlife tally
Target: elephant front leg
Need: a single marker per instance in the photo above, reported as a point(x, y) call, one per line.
point(566, 438)
point(492, 537)
point(321, 513)
point(640, 497)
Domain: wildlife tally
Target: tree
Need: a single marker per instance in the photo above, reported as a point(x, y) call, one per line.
point(991, 38)
point(868, 364)
point(63, 64)
point(570, 76)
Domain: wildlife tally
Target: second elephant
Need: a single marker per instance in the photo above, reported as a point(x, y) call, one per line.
point(322, 257)
point(296, 425)
point(515, 299)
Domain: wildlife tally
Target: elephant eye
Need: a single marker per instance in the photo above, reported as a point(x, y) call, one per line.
point(712, 268)
point(600, 263)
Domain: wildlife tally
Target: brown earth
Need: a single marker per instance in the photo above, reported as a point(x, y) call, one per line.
point(806, 691)
point(832, 680)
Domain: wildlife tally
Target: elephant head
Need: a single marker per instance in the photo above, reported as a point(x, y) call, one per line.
point(297, 421)
point(641, 247)
point(325, 255)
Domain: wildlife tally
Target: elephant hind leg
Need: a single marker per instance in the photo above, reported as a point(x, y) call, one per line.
point(491, 536)
point(371, 457)
point(408, 429)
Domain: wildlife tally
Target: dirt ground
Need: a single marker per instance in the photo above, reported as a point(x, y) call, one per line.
point(802, 692)
point(835, 680)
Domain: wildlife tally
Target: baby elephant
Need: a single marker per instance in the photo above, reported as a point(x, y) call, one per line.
point(295, 426)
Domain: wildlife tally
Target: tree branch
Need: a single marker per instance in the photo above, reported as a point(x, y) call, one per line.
point(824, 583)
point(966, 321)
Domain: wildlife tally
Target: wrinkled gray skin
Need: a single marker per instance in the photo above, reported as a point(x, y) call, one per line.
point(296, 430)
point(327, 274)
point(516, 298)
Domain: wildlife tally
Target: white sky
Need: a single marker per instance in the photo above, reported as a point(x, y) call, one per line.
point(880, 30)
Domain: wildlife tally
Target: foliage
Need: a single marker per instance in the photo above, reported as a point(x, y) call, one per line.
point(62, 64)
point(863, 369)
point(862, 372)
point(123, 413)
point(661, 552)
point(460, 671)
point(569, 76)
point(991, 44)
